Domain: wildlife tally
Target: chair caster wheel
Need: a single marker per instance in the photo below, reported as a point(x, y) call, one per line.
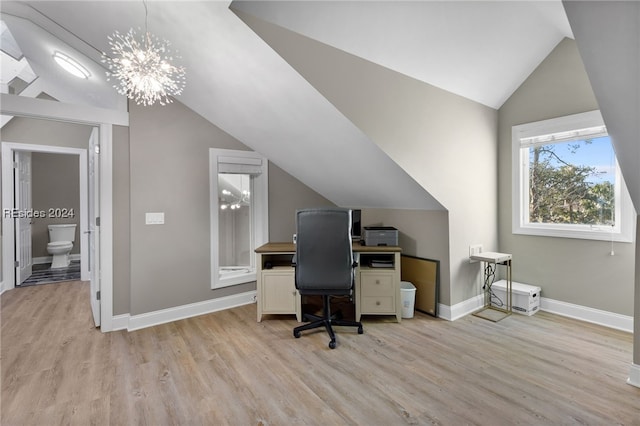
point(360, 330)
point(332, 344)
point(296, 334)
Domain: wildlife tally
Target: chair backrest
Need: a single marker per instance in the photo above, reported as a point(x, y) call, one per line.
point(324, 258)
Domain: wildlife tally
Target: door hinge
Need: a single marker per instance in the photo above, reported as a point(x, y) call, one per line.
point(96, 149)
point(15, 164)
point(16, 264)
point(98, 295)
point(97, 221)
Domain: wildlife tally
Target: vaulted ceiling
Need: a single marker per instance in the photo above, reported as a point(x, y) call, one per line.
point(480, 50)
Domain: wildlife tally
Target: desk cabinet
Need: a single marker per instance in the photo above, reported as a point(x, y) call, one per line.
point(377, 293)
point(278, 291)
point(377, 290)
point(275, 286)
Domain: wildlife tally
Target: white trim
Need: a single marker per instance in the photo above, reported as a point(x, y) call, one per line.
point(150, 319)
point(8, 202)
point(120, 322)
point(587, 314)
point(634, 376)
point(565, 309)
point(1, 287)
point(624, 229)
point(39, 108)
point(106, 226)
point(582, 120)
point(259, 208)
point(459, 310)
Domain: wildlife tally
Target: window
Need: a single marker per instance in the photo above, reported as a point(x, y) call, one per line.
point(566, 181)
point(239, 214)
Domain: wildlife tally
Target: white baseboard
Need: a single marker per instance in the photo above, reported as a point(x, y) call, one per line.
point(120, 322)
point(149, 319)
point(584, 313)
point(634, 376)
point(459, 310)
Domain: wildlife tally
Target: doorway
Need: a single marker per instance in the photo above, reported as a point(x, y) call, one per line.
point(17, 210)
point(47, 193)
point(103, 120)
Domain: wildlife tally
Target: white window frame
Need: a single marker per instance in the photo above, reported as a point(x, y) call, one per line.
point(240, 162)
point(571, 126)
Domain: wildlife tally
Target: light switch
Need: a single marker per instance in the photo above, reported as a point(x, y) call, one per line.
point(154, 218)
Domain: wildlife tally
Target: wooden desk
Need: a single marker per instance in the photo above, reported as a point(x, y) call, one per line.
point(376, 292)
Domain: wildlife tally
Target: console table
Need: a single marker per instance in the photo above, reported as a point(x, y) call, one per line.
point(376, 291)
point(491, 261)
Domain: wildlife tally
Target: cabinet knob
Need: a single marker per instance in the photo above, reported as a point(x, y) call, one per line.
point(377, 303)
point(377, 281)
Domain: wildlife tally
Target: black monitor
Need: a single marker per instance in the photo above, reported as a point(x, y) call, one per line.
point(356, 225)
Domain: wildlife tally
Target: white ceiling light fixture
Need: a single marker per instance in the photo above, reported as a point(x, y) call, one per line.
point(70, 65)
point(144, 68)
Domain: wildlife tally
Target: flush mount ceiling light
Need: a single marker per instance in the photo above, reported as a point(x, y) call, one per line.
point(70, 65)
point(143, 67)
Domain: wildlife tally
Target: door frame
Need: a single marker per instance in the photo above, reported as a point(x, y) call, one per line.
point(105, 119)
point(8, 198)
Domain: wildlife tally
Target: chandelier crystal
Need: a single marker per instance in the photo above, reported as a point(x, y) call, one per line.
point(143, 68)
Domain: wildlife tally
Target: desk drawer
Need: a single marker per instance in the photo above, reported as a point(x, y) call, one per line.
point(378, 304)
point(377, 284)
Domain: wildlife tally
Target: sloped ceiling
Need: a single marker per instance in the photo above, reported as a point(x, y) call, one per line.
point(608, 37)
point(480, 50)
point(34, 45)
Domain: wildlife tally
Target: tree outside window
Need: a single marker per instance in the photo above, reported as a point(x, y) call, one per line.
point(565, 188)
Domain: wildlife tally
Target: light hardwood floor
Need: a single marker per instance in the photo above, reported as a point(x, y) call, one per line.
point(227, 369)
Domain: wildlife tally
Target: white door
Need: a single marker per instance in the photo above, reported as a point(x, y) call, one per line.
point(22, 192)
point(94, 228)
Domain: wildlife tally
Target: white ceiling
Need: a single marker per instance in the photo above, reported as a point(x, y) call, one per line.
point(481, 50)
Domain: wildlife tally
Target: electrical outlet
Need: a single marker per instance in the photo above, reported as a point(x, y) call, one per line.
point(474, 249)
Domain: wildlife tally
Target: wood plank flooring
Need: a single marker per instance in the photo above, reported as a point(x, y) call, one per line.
point(226, 369)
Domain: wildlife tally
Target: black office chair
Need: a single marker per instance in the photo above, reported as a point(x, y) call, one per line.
point(324, 264)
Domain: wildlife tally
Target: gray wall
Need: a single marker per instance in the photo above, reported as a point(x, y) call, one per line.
point(421, 233)
point(447, 143)
point(169, 172)
point(571, 270)
point(46, 132)
point(286, 195)
point(55, 184)
point(121, 222)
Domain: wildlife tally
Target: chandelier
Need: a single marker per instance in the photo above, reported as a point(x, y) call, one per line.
point(143, 67)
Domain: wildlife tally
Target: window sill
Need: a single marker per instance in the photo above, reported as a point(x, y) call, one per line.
point(573, 233)
point(230, 279)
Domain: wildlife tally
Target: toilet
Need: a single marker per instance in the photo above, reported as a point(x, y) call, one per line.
point(61, 238)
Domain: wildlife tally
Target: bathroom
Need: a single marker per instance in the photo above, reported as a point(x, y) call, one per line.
point(56, 191)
